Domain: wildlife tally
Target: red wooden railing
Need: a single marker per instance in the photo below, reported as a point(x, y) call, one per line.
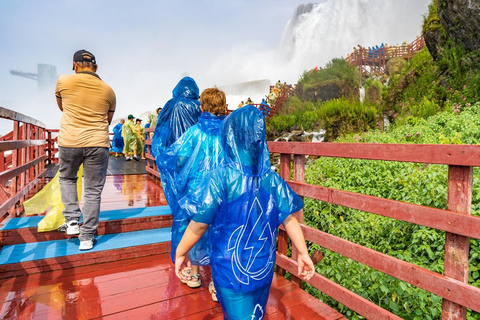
point(151, 166)
point(52, 150)
point(21, 169)
point(370, 60)
point(456, 221)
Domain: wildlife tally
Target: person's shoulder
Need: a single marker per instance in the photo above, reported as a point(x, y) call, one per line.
point(66, 78)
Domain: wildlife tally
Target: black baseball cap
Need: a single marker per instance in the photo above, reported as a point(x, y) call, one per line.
point(84, 56)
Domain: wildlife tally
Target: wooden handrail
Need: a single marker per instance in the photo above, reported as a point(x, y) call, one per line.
point(446, 220)
point(459, 155)
point(14, 145)
point(459, 225)
point(21, 169)
point(16, 116)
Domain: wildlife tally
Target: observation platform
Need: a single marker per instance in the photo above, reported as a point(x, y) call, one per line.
point(45, 276)
point(129, 275)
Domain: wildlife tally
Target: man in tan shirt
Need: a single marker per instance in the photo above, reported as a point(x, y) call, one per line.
point(88, 105)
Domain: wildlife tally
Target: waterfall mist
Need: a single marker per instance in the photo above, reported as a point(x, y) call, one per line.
point(318, 32)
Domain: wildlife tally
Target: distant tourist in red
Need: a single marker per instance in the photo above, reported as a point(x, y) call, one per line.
point(88, 105)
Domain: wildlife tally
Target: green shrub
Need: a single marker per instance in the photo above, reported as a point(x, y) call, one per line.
point(408, 182)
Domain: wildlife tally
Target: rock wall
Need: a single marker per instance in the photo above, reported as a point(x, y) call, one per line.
point(461, 20)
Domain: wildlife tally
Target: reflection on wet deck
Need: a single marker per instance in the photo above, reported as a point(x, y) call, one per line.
point(142, 288)
point(128, 191)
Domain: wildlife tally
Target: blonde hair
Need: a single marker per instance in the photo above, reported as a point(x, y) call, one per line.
point(213, 100)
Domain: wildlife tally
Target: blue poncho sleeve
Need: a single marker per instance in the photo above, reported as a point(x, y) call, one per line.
point(286, 200)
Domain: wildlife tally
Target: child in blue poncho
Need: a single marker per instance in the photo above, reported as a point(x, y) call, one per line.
point(242, 203)
point(183, 166)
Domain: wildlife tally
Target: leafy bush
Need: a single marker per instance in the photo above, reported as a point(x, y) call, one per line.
point(409, 182)
point(343, 116)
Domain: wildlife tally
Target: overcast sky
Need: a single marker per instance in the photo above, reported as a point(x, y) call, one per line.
point(143, 48)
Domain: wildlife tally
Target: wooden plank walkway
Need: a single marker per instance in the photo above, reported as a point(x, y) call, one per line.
point(136, 288)
point(143, 288)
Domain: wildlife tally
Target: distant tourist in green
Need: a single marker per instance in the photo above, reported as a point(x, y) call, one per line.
point(128, 133)
point(140, 138)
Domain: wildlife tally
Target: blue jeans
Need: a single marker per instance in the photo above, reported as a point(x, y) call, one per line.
point(95, 163)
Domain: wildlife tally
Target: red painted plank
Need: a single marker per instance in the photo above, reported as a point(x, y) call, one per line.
point(130, 290)
point(457, 247)
point(445, 220)
point(9, 174)
point(460, 155)
point(282, 244)
point(435, 283)
point(353, 301)
point(87, 258)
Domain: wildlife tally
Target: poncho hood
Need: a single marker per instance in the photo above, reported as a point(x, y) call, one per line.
point(179, 113)
point(187, 88)
point(243, 140)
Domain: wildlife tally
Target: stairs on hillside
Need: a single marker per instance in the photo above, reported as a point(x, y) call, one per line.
point(122, 234)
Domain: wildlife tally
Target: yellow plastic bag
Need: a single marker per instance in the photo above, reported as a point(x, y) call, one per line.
point(50, 197)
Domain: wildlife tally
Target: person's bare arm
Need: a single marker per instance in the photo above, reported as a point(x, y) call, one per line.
point(110, 116)
point(306, 268)
point(59, 103)
point(192, 235)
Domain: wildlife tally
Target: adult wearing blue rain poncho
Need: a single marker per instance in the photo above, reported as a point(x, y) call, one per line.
point(244, 202)
point(196, 153)
point(179, 113)
point(117, 141)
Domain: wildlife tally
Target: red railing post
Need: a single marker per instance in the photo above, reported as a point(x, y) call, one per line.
point(49, 147)
point(299, 176)
point(15, 160)
point(285, 161)
point(457, 247)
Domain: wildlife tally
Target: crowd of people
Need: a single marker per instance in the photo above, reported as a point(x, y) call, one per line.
point(227, 203)
point(129, 137)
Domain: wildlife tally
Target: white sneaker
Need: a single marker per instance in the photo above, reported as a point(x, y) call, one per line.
point(87, 244)
point(71, 228)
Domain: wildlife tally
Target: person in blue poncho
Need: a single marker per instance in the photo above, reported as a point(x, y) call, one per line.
point(179, 113)
point(117, 141)
point(186, 162)
point(243, 202)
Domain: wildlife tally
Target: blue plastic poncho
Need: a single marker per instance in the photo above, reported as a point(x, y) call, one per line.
point(244, 202)
point(179, 113)
point(183, 166)
point(117, 141)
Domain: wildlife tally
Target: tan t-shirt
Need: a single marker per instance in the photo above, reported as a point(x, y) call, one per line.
point(86, 100)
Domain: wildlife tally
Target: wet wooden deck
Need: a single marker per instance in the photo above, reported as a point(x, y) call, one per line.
point(144, 288)
point(137, 288)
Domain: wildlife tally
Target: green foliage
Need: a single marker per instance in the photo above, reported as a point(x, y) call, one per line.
point(337, 79)
point(336, 69)
point(408, 182)
point(342, 116)
point(431, 22)
point(337, 116)
point(417, 83)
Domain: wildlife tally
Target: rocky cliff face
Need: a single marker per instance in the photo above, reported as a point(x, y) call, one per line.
point(461, 20)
